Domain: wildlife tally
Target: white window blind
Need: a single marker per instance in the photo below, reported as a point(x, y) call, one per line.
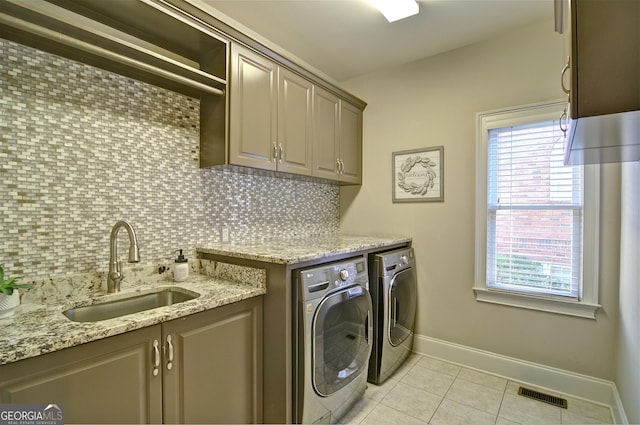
point(534, 212)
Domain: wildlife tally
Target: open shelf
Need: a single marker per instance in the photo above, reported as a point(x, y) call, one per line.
point(147, 40)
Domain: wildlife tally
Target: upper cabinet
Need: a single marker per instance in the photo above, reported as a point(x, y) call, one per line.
point(350, 143)
point(294, 123)
point(326, 135)
point(337, 138)
point(270, 115)
point(605, 82)
point(605, 76)
point(281, 121)
point(253, 110)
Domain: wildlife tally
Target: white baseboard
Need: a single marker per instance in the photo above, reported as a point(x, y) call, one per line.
point(556, 380)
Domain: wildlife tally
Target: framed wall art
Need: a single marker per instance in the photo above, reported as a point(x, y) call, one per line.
point(418, 175)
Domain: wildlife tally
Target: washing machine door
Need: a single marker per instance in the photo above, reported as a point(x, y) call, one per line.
point(402, 306)
point(341, 342)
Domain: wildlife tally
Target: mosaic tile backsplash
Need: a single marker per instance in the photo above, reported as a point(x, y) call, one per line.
point(81, 148)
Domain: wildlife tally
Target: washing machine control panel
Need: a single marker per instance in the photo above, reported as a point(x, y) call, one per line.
point(394, 261)
point(343, 275)
point(333, 276)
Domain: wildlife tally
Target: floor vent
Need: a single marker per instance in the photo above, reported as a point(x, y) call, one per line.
point(546, 398)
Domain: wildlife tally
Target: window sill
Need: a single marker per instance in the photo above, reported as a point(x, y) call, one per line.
point(532, 302)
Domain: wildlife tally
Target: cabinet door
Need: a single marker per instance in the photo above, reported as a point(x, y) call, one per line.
point(216, 373)
point(606, 57)
point(294, 123)
point(326, 135)
point(253, 109)
point(350, 143)
point(107, 381)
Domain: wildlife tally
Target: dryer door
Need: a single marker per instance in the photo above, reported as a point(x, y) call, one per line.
point(402, 306)
point(341, 340)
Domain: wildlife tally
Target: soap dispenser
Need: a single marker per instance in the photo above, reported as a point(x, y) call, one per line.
point(180, 268)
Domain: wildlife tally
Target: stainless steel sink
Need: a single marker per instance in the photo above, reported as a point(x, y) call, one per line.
point(134, 304)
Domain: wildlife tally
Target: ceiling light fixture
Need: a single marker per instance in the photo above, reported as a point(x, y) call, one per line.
point(395, 10)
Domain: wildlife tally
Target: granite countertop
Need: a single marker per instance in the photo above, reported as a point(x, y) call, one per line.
point(299, 250)
point(38, 325)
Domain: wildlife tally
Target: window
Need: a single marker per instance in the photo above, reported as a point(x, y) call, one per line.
point(536, 219)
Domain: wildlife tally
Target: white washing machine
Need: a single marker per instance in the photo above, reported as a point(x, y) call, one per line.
point(393, 291)
point(332, 339)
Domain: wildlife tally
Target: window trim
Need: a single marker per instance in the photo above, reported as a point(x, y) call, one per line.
point(588, 304)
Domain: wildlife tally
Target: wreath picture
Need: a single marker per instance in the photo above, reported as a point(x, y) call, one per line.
point(417, 175)
point(413, 187)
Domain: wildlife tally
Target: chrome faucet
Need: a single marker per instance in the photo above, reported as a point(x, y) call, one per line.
point(115, 267)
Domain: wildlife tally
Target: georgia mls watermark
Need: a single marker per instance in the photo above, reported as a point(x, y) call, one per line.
point(31, 414)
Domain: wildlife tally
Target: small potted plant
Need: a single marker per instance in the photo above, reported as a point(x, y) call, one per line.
point(9, 296)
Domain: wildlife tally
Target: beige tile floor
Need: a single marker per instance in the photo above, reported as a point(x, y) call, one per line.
point(429, 391)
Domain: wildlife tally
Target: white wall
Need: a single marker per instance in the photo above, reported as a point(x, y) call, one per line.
point(628, 356)
point(434, 102)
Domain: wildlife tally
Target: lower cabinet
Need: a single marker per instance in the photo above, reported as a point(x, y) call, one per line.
point(202, 368)
point(109, 380)
point(216, 375)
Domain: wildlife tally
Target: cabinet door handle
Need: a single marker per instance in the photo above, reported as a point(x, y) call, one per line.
point(156, 357)
point(275, 152)
point(337, 165)
point(170, 352)
point(564, 71)
point(341, 166)
point(564, 127)
point(281, 154)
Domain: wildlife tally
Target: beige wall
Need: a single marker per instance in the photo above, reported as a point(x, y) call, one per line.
point(434, 102)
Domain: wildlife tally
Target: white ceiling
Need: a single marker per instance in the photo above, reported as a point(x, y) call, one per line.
point(349, 38)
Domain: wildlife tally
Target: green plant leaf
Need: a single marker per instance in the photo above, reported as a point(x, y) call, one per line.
point(7, 286)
